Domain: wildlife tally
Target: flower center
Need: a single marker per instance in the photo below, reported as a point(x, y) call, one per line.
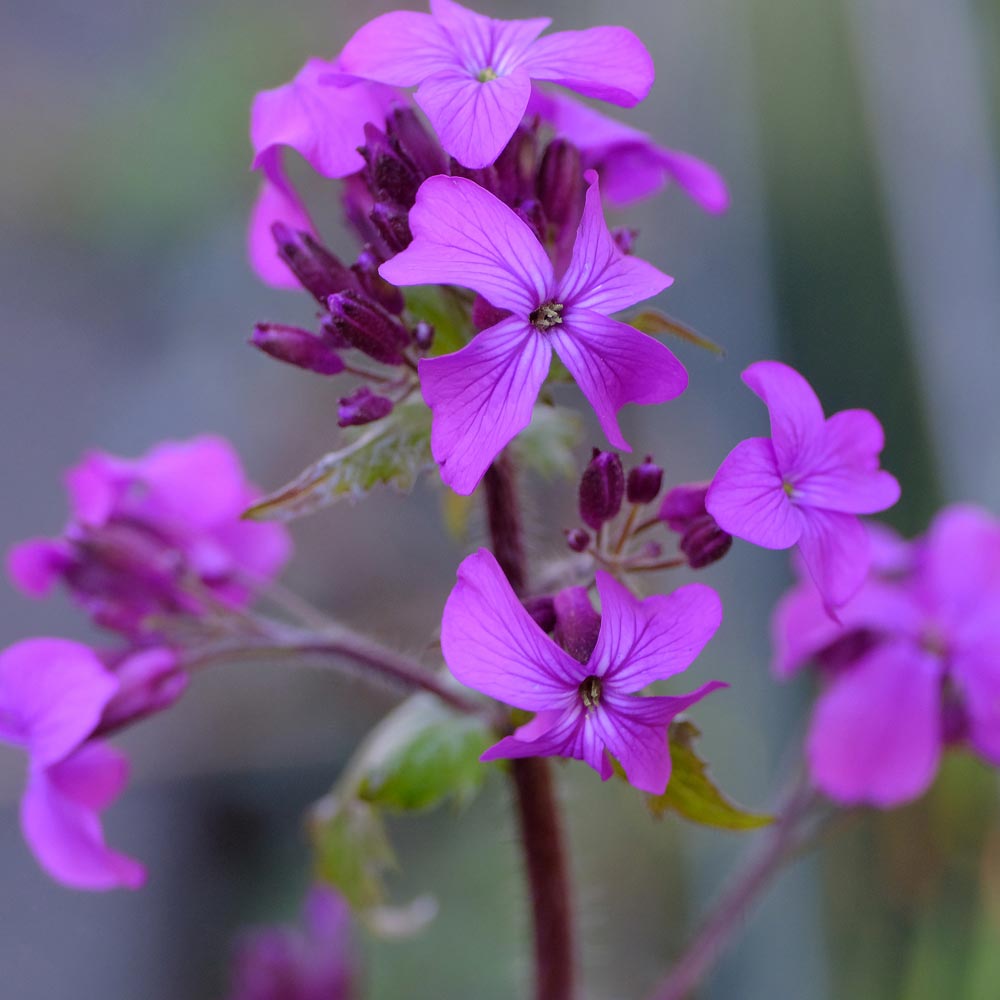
point(546, 315)
point(590, 691)
point(485, 75)
point(789, 488)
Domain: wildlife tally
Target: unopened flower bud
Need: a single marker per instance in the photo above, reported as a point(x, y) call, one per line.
point(516, 166)
point(412, 140)
point(560, 184)
point(650, 551)
point(485, 314)
point(577, 623)
point(317, 270)
point(393, 226)
point(423, 335)
point(362, 407)
point(368, 327)
point(702, 541)
point(542, 610)
point(389, 297)
point(602, 489)
point(149, 681)
point(296, 347)
point(644, 482)
point(625, 238)
point(682, 504)
point(390, 177)
point(578, 539)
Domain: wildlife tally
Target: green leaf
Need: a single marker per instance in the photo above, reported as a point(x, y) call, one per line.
point(447, 310)
point(419, 756)
point(547, 444)
point(653, 322)
point(352, 850)
point(691, 791)
point(391, 452)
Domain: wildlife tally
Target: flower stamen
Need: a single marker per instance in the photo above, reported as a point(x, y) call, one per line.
point(548, 314)
point(590, 691)
point(487, 74)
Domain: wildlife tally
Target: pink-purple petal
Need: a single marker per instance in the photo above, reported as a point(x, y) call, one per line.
point(747, 497)
point(600, 277)
point(836, 551)
point(976, 672)
point(481, 397)
point(652, 639)
point(36, 565)
point(474, 120)
point(607, 62)
point(797, 424)
point(61, 822)
point(401, 48)
point(875, 737)
point(465, 236)
point(615, 364)
point(52, 695)
point(493, 645)
point(485, 42)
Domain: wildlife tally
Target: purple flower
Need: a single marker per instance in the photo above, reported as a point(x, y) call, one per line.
point(313, 962)
point(474, 73)
point(631, 165)
point(913, 667)
point(807, 483)
point(325, 124)
point(53, 695)
point(584, 710)
point(483, 395)
point(154, 535)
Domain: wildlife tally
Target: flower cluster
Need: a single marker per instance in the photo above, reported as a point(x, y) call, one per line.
point(156, 551)
point(912, 667)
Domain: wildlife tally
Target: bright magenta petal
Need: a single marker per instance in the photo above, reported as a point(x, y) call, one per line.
point(36, 565)
point(876, 733)
point(649, 640)
point(493, 645)
point(463, 235)
point(836, 551)
point(976, 671)
point(486, 43)
point(615, 364)
point(797, 424)
point(52, 694)
point(59, 817)
point(473, 119)
point(402, 48)
point(600, 277)
point(747, 497)
point(481, 397)
point(609, 63)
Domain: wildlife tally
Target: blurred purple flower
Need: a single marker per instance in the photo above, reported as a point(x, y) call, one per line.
point(585, 710)
point(483, 395)
point(311, 962)
point(53, 695)
point(807, 483)
point(474, 73)
point(630, 164)
point(155, 535)
point(913, 667)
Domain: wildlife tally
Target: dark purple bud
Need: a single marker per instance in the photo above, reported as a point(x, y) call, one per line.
point(393, 226)
point(543, 610)
point(407, 133)
point(704, 542)
point(578, 539)
point(389, 297)
point(560, 184)
point(317, 270)
point(390, 177)
point(682, 504)
point(625, 238)
point(602, 489)
point(650, 550)
point(149, 681)
point(485, 177)
point(357, 203)
point(644, 482)
point(362, 407)
point(577, 623)
point(423, 336)
point(842, 654)
point(532, 214)
point(516, 166)
point(368, 327)
point(485, 314)
point(296, 347)
point(956, 723)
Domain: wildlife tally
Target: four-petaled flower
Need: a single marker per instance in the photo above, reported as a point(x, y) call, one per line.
point(474, 73)
point(806, 483)
point(484, 394)
point(492, 644)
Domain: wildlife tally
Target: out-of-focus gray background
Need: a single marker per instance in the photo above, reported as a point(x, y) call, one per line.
point(860, 141)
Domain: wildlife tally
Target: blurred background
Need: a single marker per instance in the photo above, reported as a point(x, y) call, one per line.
point(859, 138)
